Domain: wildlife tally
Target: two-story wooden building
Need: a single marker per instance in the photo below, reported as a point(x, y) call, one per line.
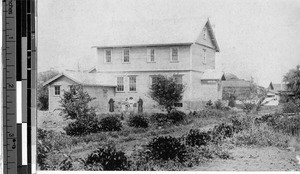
point(134, 54)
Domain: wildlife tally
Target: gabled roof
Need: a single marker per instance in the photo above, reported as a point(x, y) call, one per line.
point(184, 31)
point(86, 79)
point(213, 75)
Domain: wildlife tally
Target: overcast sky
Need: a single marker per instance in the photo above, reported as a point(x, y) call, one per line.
point(259, 38)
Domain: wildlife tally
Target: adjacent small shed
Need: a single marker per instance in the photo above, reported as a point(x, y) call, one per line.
point(97, 85)
point(211, 84)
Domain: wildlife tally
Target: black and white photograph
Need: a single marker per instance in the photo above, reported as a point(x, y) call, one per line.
point(168, 85)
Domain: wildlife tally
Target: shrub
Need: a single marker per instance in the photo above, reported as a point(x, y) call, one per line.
point(208, 113)
point(83, 126)
point(159, 118)
point(166, 148)
point(218, 104)
point(110, 123)
point(108, 158)
point(176, 116)
point(248, 106)
point(290, 107)
point(42, 156)
point(221, 131)
point(240, 122)
point(209, 103)
point(197, 138)
point(166, 92)
point(261, 135)
point(138, 121)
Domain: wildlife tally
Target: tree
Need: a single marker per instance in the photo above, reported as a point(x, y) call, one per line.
point(75, 102)
point(293, 81)
point(165, 91)
point(42, 91)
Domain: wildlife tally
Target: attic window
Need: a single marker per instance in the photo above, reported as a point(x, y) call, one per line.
point(204, 33)
point(204, 56)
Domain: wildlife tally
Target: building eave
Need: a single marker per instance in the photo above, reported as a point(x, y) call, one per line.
point(144, 45)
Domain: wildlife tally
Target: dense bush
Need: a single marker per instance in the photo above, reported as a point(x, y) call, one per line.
point(221, 132)
point(290, 107)
point(176, 116)
point(208, 113)
point(110, 123)
point(83, 126)
point(166, 148)
point(108, 158)
point(159, 118)
point(218, 104)
point(42, 156)
point(241, 122)
point(138, 121)
point(197, 138)
point(248, 107)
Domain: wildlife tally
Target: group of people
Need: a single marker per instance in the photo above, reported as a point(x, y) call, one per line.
point(128, 105)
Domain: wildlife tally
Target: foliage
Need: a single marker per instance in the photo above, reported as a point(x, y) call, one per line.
point(248, 107)
point(42, 91)
point(42, 156)
point(293, 81)
point(197, 138)
point(176, 116)
point(166, 148)
point(138, 121)
point(75, 102)
point(205, 113)
point(241, 122)
point(231, 102)
point(221, 132)
point(159, 118)
point(261, 135)
point(110, 123)
point(290, 107)
point(218, 104)
point(209, 103)
point(108, 158)
point(83, 126)
point(165, 91)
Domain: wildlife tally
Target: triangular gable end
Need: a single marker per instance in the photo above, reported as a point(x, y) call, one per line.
point(210, 39)
point(58, 77)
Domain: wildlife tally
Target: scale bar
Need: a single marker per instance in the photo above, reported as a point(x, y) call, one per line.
point(19, 102)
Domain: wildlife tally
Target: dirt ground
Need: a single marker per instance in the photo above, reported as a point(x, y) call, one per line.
point(255, 159)
point(243, 158)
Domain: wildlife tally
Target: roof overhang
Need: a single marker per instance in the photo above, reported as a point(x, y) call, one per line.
point(143, 45)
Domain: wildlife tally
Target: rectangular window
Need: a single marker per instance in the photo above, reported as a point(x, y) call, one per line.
point(174, 54)
point(108, 56)
point(151, 55)
point(120, 84)
point(204, 56)
point(132, 83)
point(56, 90)
point(126, 55)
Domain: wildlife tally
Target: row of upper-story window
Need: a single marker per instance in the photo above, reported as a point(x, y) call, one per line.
point(151, 55)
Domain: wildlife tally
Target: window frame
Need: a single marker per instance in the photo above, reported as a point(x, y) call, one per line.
point(123, 56)
point(122, 83)
point(204, 56)
point(171, 54)
point(151, 78)
point(105, 58)
point(129, 83)
point(149, 55)
point(59, 90)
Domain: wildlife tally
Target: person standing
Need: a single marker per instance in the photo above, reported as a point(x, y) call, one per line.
point(140, 105)
point(111, 105)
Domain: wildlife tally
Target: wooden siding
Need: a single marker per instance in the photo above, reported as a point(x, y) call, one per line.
point(138, 59)
point(198, 60)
